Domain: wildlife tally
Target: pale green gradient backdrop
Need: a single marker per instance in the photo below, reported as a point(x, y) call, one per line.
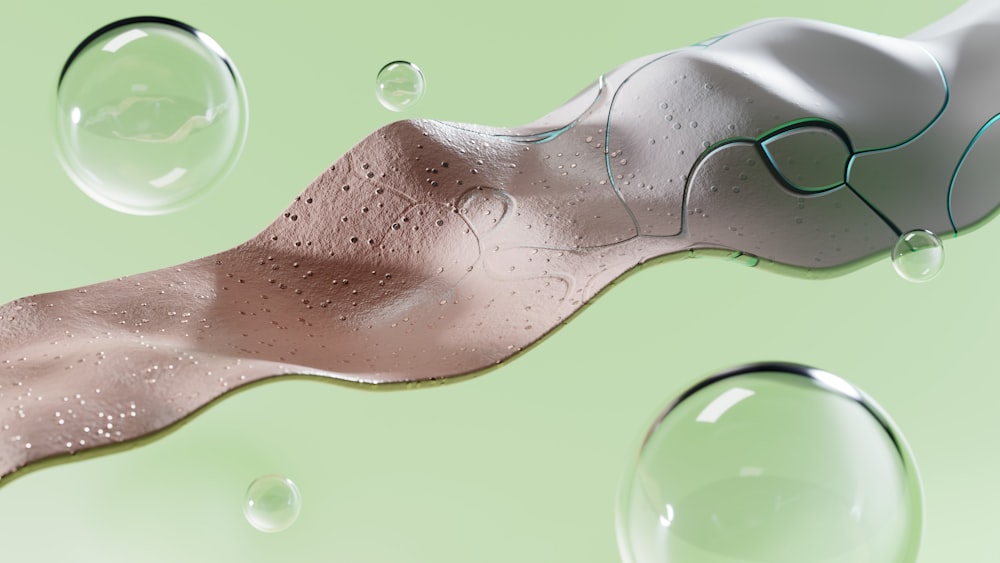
point(523, 463)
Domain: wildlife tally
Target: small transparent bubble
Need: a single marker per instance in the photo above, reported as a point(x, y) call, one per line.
point(150, 114)
point(918, 256)
point(771, 463)
point(399, 85)
point(272, 503)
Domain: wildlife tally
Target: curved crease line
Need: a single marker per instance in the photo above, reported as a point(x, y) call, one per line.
point(918, 134)
point(961, 161)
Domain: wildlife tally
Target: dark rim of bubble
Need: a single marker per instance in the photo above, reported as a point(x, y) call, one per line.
point(140, 20)
point(821, 378)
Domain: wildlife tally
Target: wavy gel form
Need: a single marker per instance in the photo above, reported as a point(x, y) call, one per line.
point(434, 250)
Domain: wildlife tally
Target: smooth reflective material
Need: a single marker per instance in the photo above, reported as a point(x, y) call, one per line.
point(775, 463)
point(399, 85)
point(272, 503)
point(918, 256)
point(150, 114)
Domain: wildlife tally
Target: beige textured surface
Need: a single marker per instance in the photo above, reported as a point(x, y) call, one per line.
point(429, 251)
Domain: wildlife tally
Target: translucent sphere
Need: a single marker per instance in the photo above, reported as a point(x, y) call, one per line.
point(774, 463)
point(272, 503)
point(918, 256)
point(150, 114)
point(399, 85)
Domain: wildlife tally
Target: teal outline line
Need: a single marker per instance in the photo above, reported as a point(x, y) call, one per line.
point(789, 126)
point(611, 105)
point(961, 161)
point(933, 121)
point(918, 134)
point(800, 124)
point(944, 106)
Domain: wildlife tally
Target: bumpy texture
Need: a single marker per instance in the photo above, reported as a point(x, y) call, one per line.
point(433, 250)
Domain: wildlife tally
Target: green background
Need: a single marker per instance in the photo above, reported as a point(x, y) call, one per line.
point(523, 463)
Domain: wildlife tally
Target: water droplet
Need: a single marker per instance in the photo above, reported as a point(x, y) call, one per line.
point(918, 256)
point(399, 85)
point(150, 114)
point(773, 463)
point(272, 503)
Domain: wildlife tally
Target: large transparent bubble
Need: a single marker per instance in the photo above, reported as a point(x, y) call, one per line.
point(771, 463)
point(150, 114)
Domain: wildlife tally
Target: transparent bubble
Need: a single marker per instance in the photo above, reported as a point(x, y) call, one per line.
point(399, 85)
point(774, 463)
point(918, 256)
point(150, 114)
point(272, 503)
